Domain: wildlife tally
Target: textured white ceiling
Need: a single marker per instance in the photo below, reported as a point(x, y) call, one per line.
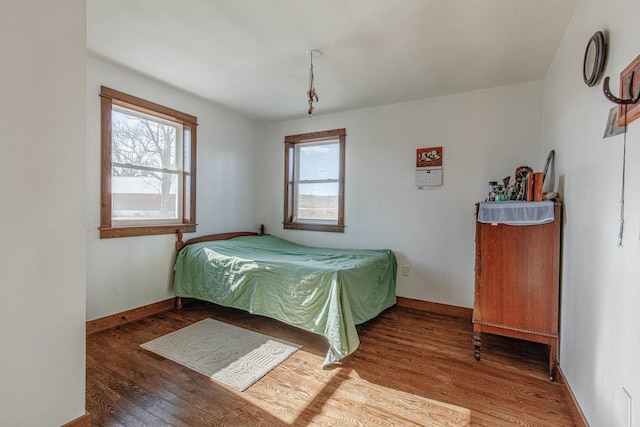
point(250, 55)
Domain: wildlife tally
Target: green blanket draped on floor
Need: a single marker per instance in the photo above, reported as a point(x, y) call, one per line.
point(325, 291)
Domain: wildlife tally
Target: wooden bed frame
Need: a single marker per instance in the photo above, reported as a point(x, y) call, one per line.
point(211, 237)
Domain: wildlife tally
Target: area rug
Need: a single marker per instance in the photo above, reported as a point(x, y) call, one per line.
point(231, 355)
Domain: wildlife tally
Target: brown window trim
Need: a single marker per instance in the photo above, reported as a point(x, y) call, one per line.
point(109, 98)
point(290, 141)
point(151, 230)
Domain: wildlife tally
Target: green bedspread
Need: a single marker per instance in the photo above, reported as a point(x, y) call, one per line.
point(325, 291)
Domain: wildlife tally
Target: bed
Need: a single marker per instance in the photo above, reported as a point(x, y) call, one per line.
point(320, 290)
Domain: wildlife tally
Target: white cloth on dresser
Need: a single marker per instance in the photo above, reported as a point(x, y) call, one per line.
point(516, 212)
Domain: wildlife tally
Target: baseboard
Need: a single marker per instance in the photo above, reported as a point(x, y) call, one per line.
point(435, 307)
point(83, 421)
point(578, 415)
point(138, 313)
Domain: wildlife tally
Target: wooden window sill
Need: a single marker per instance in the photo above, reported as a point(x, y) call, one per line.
point(334, 228)
point(146, 230)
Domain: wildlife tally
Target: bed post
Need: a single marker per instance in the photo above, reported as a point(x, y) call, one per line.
point(179, 245)
point(261, 229)
point(179, 242)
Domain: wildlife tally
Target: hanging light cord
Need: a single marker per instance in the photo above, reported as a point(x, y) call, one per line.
point(311, 93)
point(624, 164)
point(311, 73)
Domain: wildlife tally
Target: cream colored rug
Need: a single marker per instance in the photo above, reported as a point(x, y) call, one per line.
point(234, 356)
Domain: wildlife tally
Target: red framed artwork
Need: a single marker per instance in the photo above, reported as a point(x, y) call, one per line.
point(427, 157)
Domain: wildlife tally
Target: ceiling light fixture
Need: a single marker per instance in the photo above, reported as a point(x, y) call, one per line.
point(311, 93)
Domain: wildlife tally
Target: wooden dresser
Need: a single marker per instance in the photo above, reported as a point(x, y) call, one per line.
point(517, 283)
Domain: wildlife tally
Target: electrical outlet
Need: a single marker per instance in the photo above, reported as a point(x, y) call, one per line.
point(628, 408)
point(406, 270)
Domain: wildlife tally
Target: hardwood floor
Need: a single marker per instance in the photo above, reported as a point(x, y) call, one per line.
point(412, 369)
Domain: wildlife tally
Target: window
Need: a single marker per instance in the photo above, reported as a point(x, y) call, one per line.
point(148, 181)
point(314, 181)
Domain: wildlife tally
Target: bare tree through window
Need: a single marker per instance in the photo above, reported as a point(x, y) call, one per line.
point(146, 151)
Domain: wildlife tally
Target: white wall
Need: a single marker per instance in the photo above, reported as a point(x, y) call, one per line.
point(485, 135)
point(42, 181)
point(125, 273)
point(599, 341)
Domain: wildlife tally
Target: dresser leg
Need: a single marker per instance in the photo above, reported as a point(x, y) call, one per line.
point(553, 360)
point(476, 345)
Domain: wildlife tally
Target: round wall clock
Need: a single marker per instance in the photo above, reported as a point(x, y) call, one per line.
point(594, 56)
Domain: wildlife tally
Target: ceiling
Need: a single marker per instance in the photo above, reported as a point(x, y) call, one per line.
point(250, 55)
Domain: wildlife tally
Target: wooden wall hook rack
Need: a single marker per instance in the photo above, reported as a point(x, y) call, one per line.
point(629, 105)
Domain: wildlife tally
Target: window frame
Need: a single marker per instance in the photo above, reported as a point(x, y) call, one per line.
point(290, 143)
point(187, 221)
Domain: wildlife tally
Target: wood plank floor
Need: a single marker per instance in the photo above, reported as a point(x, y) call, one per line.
point(412, 369)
